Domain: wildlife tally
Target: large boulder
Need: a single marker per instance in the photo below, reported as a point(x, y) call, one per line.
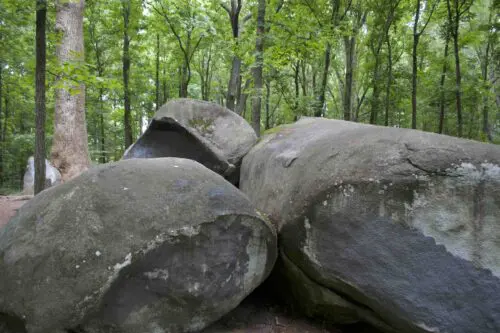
point(401, 225)
point(205, 132)
point(52, 176)
point(143, 245)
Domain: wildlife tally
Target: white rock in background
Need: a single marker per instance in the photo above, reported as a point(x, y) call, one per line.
point(52, 176)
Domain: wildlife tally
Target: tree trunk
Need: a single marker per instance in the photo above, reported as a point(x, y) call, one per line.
point(126, 72)
point(157, 78)
point(164, 86)
point(242, 105)
point(234, 84)
point(486, 125)
point(318, 110)
point(389, 81)
point(102, 158)
point(375, 102)
point(268, 96)
point(69, 145)
point(441, 84)
point(350, 49)
point(2, 123)
point(296, 71)
point(259, 50)
point(304, 80)
point(41, 15)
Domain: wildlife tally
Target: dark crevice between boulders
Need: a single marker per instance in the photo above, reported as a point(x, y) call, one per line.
point(11, 324)
point(361, 310)
point(167, 138)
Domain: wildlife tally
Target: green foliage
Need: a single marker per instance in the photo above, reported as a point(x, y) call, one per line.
point(296, 35)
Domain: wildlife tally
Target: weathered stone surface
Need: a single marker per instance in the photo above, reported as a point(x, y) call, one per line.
point(52, 176)
point(143, 245)
point(403, 223)
point(205, 132)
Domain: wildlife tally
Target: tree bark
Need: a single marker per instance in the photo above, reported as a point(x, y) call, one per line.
point(234, 84)
point(389, 80)
point(69, 145)
point(296, 71)
point(485, 68)
point(349, 47)
point(318, 110)
point(416, 37)
point(441, 84)
point(268, 96)
point(259, 58)
point(2, 123)
point(126, 72)
point(41, 15)
point(157, 78)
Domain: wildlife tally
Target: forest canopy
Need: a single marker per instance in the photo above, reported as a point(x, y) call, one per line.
point(431, 65)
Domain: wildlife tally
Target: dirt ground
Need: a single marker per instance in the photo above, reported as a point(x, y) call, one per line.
point(9, 206)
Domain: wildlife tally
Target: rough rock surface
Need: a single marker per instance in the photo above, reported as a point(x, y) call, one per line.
point(52, 176)
point(143, 245)
point(402, 224)
point(205, 132)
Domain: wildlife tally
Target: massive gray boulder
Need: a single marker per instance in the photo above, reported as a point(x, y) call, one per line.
point(52, 176)
point(143, 245)
point(205, 132)
point(395, 227)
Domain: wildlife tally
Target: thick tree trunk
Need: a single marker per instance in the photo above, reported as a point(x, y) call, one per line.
point(126, 73)
point(157, 78)
point(259, 50)
point(234, 82)
point(441, 84)
point(318, 110)
point(242, 105)
point(389, 81)
point(69, 145)
point(41, 15)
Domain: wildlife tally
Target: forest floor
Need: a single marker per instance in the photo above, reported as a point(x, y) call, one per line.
point(9, 206)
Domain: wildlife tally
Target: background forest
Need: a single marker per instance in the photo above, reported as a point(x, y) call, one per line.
point(431, 65)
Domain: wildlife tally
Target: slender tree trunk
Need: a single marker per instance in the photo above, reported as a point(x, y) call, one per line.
point(41, 15)
point(268, 96)
point(375, 102)
point(164, 86)
point(296, 72)
point(318, 112)
point(259, 50)
point(234, 84)
point(350, 49)
point(304, 79)
point(441, 84)
point(69, 145)
point(2, 123)
point(416, 37)
point(126, 73)
point(486, 125)
point(102, 158)
point(389, 81)
point(157, 78)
